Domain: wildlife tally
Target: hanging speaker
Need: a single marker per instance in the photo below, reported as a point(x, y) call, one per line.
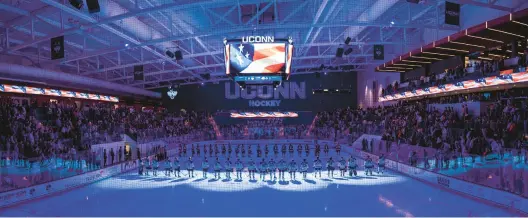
point(347, 40)
point(76, 4)
point(348, 51)
point(93, 6)
point(178, 55)
point(339, 52)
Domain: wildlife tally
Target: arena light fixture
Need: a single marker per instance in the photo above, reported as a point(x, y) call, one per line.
point(428, 58)
point(517, 22)
point(402, 68)
point(412, 65)
point(452, 49)
point(500, 31)
point(491, 40)
point(422, 62)
point(461, 43)
point(441, 54)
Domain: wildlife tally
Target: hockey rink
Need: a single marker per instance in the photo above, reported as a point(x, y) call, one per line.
point(384, 195)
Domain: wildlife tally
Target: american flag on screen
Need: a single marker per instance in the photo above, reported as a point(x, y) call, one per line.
point(257, 58)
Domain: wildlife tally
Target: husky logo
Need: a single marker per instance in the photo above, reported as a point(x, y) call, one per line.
point(172, 94)
point(57, 47)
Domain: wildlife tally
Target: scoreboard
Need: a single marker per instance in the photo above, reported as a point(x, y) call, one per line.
point(258, 60)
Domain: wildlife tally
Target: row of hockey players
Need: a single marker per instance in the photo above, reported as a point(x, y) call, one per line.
point(241, 150)
point(264, 168)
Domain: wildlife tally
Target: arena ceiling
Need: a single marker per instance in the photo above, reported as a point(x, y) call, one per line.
point(106, 45)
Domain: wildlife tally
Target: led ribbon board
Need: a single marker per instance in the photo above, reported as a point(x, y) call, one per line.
point(55, 92)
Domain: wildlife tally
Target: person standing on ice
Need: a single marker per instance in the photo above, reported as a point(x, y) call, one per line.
point(381, 164)
point(263, 170)
point(252, 167)
point(352, 166)
point(282, 168)
point(217, 169)
point(369, 164)
point(228, 168)
point(239, 168)
point(156, 167)
point(293, 169)
point(176, 166)
point(304, 168)
point(318, 165)
point(272, 168)
point(342, 166)
point(330, 167)
point(190, 167)
point(205, 167)
point(168, 168)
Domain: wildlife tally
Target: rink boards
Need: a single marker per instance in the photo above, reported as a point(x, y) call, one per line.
point(484, 193)
point(37, 191)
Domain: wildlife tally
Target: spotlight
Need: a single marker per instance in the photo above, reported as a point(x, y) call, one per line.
point(126, 45)
point(392, 22)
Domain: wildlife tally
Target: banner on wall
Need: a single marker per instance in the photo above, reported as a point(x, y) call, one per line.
point(452, 13)
point(57, 48)
point(379, 52)
point(266, 95)
point(138, 72)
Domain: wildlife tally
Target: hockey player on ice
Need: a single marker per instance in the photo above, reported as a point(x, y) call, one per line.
point(318, 165)
point(330, 166)
point(272, 168)
point(352, 166)
point(369, 164)
point(252, 167)
point(381, 164)
point(228, 168)
point(342, 166)
point(168, 168)
point(190, 167)
point(217, 169)
point(304, 168)
point(176, 166)
point(293, 169)
point(205, 167)
point(263, 169)
point(239, 167)
point(282, 168)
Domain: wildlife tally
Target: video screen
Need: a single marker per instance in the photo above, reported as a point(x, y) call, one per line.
point(257, 58)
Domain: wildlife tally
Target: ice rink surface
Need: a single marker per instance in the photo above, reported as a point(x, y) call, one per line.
point(130, 195)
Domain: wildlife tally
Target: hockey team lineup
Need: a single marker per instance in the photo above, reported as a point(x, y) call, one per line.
point(271, 162)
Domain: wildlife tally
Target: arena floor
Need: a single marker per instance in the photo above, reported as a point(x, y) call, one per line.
point(386, 195)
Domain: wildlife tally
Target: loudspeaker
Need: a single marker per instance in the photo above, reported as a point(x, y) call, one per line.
point(76, 4)
point(170, 54)
point(93, 6)
point(339, 52)
point(347, 40)
point(348, 51)
point(178, 55)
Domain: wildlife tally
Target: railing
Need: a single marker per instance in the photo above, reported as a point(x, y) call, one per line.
point(505, 171)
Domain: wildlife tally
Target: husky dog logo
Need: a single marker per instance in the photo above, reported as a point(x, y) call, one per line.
point(172, 94)
point(378, 51)
point(57, 47)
